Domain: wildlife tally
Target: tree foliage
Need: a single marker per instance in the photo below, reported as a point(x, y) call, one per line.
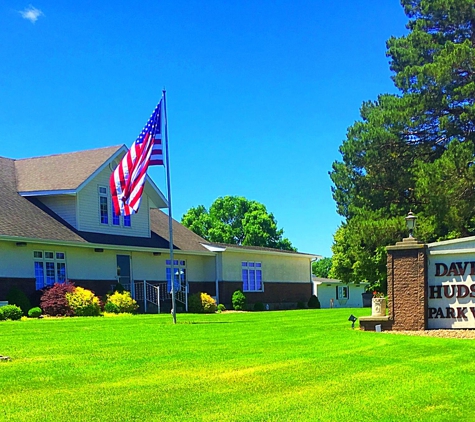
point(238, 221)
point(414, 150)
point(322, 267)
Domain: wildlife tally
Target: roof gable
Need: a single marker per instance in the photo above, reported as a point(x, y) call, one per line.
point(60, 172)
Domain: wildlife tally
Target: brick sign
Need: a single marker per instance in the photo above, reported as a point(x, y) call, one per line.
point(451, 291)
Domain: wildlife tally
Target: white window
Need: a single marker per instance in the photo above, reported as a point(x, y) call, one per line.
point(50, 268)
point(342, 292)
point(179, 269)
point(103, 205)
point(117, 220)
point(251, 276)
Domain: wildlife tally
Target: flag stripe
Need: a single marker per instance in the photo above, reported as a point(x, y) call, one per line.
point(128, 179)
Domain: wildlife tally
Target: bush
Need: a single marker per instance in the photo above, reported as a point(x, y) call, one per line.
point(53, 301)
point(112, 308)
point(35, 312)
point(16, 297)
point(209, 304)
point(119, 288)
point(202, 303)
point(239, 300)
point(83, 302)
point(123, 301)
point(12, 312)
point(194, 303)
point(259, 306)
point(221, 307)
point(313, 302)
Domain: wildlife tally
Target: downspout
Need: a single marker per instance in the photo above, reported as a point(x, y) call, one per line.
point(311, 276)
point(217, 277)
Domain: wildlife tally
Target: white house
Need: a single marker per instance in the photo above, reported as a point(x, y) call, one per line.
point(57, 223)
point(334, 294)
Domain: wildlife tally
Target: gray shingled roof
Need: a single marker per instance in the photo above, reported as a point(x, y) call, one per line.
point(60, 171)
point(183, 238)
point(28, 218)
point(25, 218)
point(21, 218)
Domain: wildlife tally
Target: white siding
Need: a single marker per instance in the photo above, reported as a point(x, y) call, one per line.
point(326, 292)
point(89, 215)
point(147, 266)
point(15, 261)
point(63, 205)
point(200, 268)
point(86, 264)
point(282, 268)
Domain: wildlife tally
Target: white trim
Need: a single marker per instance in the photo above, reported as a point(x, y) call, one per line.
point(451, 252)
point(104, 246)
point(48, 192)
point(278, 252)
point(213, 248)
point(451, 242)
point(157, 190)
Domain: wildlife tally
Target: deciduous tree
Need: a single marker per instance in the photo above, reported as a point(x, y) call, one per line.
point(236, 220)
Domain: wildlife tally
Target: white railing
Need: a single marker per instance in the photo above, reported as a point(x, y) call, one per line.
point(147, 292)
point(154, 293)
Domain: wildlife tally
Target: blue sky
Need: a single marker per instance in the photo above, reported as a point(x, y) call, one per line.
point(259, 94)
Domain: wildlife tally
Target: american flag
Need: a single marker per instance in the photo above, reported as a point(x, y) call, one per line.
point(128, 179)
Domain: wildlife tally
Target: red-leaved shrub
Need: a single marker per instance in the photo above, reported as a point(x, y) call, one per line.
point(54, 302)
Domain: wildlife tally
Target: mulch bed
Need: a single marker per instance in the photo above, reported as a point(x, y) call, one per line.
point(464, 334)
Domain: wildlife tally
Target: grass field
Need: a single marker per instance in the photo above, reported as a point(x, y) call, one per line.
point(306, 365)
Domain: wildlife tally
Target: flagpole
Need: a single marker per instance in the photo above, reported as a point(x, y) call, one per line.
point(170, 219)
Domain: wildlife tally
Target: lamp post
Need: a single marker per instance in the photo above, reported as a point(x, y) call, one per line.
point(411, 223)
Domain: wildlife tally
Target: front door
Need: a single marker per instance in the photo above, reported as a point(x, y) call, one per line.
point(123, 271)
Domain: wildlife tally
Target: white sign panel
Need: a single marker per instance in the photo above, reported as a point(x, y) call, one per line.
point(451, 291)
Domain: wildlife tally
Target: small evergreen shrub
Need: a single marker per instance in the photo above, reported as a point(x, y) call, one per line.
point(259, 306)
point(2, 318)
point(83, 302)
point(194, 303)
point(221, 307)
point(11, 312)
point(238, 300)
point(35, 312)
point(54, 302)
point(111, 308)
point(17, 297)
point(202, 303)
point(119, 288)
point(313, 302)
point(123, 301)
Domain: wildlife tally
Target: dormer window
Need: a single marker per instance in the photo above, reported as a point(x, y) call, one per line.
point(116, 220)
point(103, 205)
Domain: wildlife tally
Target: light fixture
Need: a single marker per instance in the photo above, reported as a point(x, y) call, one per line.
point(98, 250)
point(411, 223)
point(353, 319)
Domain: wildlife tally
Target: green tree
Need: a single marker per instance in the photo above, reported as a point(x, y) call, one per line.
point(414, 150)
point(322, 267)
point(236, 220)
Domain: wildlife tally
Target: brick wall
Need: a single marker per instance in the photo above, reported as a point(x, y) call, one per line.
point(407, 285)
point(277, 295)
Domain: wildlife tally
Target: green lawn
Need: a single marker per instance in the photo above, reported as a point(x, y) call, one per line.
point(306, 365)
